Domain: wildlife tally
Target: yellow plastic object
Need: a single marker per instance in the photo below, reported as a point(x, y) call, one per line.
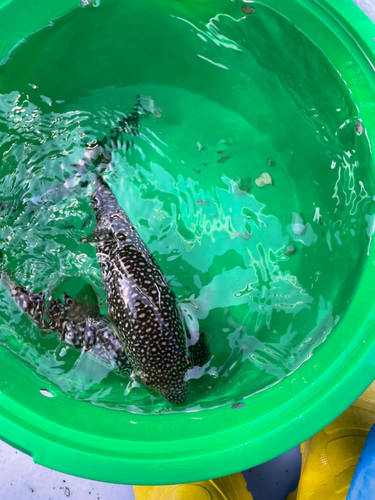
point(225, 488)
point(330, 457)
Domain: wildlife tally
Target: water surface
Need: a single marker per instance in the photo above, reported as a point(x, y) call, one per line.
point(240, 95)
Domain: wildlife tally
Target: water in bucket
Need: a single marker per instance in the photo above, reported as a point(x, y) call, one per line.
point(251, 187)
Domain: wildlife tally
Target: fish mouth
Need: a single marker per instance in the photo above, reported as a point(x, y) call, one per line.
point(176, 394)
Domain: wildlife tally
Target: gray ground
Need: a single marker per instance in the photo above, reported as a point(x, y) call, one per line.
point(368, 7)
point(21, 479)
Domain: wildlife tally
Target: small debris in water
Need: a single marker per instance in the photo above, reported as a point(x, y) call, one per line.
point(223, 159)
point(200, 147)
point(84, 3)
point(263, 180)
point(221, 152)
point(290, 250)
point(298, 224)
point(317, 216)
point(246, 9)
point(359, 128)
point(238, 405)
point(270, 162)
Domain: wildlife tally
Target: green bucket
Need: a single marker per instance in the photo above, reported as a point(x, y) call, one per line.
point(107, 444)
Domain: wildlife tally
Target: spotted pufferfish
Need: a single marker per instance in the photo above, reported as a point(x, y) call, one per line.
point(145, 333)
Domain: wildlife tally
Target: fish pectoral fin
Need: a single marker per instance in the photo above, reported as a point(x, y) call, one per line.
point(84, 305)
point(88, 301)
point(200, 351)
point(82, 310)
point(111, 320)
point(99, 235)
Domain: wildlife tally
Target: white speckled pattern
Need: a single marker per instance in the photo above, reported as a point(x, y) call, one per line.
point(20, 478)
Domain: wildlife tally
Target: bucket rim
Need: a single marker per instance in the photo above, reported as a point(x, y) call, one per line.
point(241, 446)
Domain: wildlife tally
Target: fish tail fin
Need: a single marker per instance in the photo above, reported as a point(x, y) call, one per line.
point(99, 153)
point(129, 124)
point(31, 303)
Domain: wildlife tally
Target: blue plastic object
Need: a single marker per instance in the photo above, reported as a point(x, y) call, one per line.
point(362, 486)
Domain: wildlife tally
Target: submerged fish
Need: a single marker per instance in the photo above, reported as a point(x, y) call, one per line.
point(75, 324)
point(140, 301)
point(141, 304)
